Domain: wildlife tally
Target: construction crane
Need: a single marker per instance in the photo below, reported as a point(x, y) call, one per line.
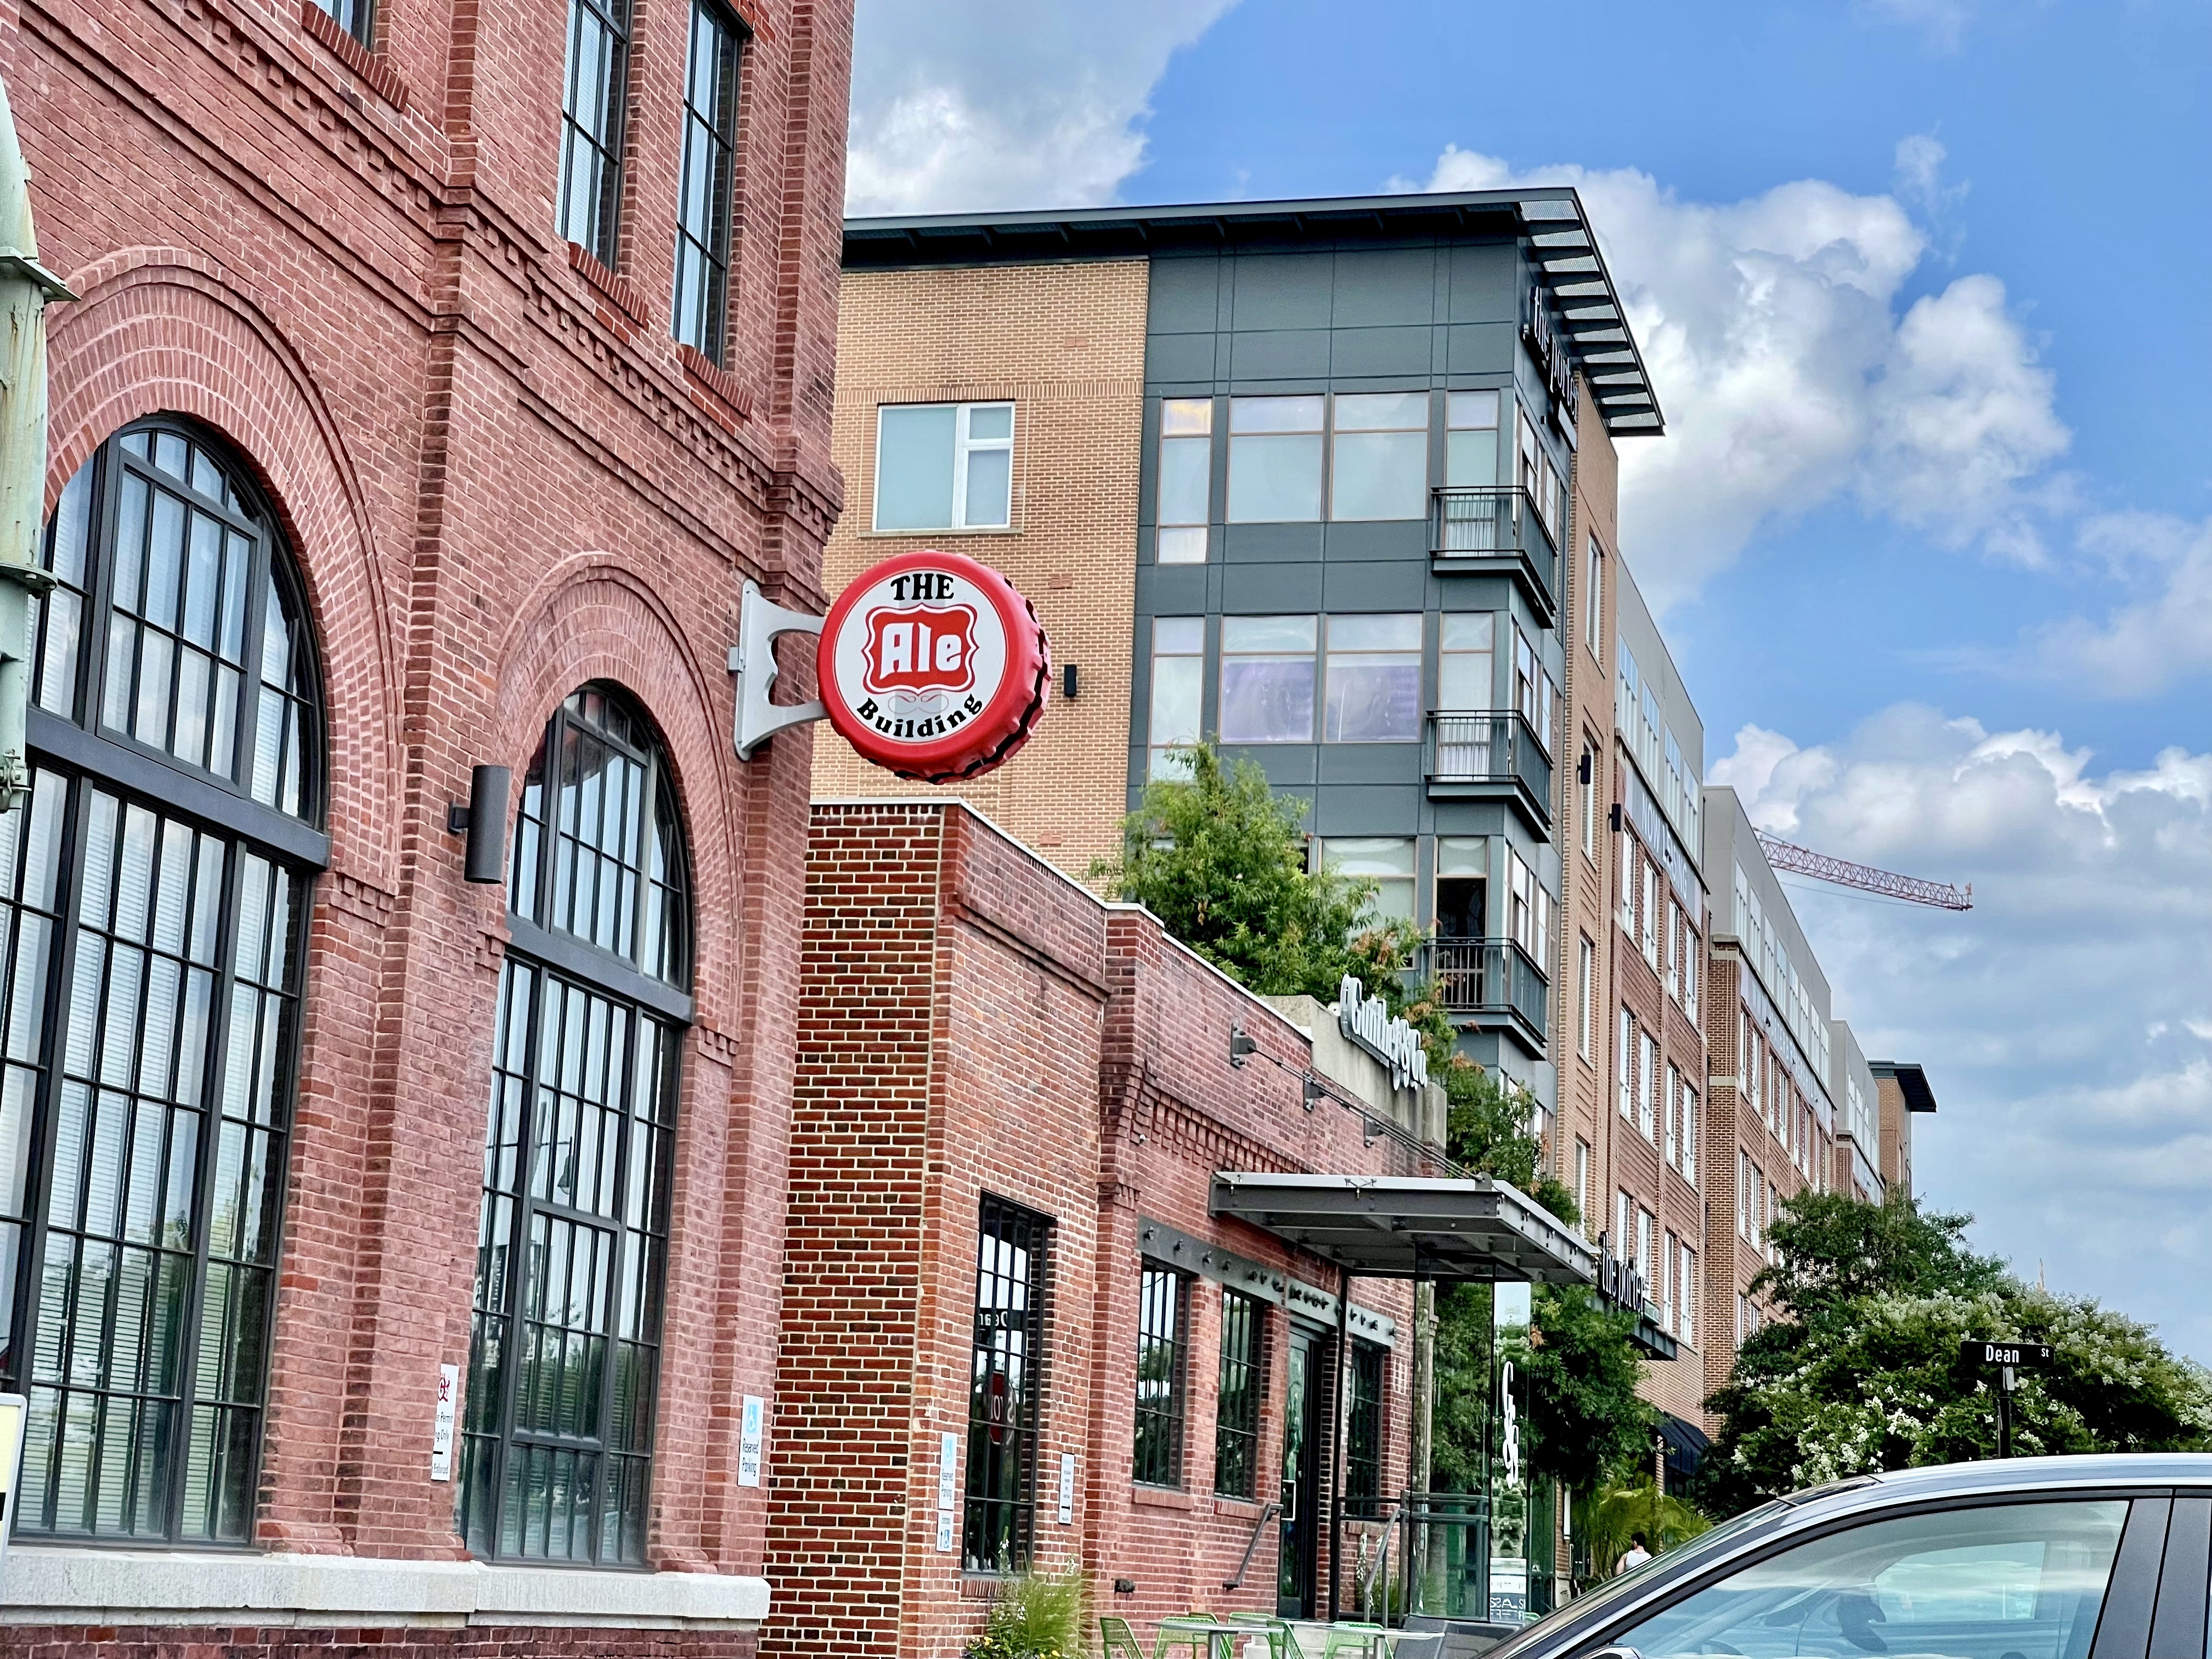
point(1804, 861)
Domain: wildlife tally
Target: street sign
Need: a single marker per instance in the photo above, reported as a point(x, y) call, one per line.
point(2020, 1356)
point(13, 1410)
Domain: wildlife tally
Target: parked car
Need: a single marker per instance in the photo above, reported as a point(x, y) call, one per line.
point(2051, 1558)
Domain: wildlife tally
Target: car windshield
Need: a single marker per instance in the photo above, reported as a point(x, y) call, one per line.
point(1703, 1548)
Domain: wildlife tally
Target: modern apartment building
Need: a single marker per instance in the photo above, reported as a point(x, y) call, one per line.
point(1902, 1090)
point(1292, 477)
point(1854, 1090)
point(1771, 1118)
point(1648, 1013)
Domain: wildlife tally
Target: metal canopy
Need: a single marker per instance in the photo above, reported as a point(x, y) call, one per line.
point(1411, 1226)
point(1548, 219)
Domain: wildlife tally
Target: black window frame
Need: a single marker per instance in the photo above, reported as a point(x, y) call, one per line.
point(600, 234)
point(241, 862)
point(712, 135)
point(525, 1228)
point(1367, 1380)
point(1156, 1448)
point(1007, 1341)
point(1243, 1381)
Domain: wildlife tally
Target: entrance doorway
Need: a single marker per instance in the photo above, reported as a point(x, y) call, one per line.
point(1302, 1475)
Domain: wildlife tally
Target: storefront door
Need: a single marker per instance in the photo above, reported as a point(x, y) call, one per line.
point(1302, 1475)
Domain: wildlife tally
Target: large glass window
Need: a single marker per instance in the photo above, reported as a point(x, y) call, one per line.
point(1471, 440)
point(1363, 1446)
point(1535, 694)
point(150, 968)
point(1267, 679)
point(556, 1443)
point(703, 220)
point(1373, 679)
point(998, 1524)
point(1236, 1407)
point(1386, 860)
point(1594, 599)
point(1161, 1340)
point(1186, 481)
point(944, 467)
point(2025, 1580)
point(1274, 459)
point(1379, 460)
point(1178, 693)
point(592, 115)
point(1464, 660)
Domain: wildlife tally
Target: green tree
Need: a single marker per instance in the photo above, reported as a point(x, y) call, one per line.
point(1219, 858)
point(1867, 1373)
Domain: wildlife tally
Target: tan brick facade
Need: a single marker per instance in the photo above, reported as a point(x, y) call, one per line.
point(1066, 343)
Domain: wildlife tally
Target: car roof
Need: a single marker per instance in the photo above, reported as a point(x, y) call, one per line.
point(2024, 1474)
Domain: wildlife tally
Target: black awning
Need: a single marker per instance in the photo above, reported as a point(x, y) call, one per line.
point(1686, 1444)
point(1411, 1226)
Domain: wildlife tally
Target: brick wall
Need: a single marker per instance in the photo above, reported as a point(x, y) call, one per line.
point(1067, 345)
point(1024, 1040)
point(500, 480)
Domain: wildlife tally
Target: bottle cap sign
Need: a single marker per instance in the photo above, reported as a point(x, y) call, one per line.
point(933, 667)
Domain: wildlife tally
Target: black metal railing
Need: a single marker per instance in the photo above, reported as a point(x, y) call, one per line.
point(1490, 976)
point(1485, 523)
point(1494, 745)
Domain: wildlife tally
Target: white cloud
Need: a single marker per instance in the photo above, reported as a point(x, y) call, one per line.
point(2161, 634)
point(966, 105)
point(2063, 1019)
point(1793, 373)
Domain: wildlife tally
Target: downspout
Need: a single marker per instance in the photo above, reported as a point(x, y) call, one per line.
point(1341, 1453)
point(26, 285)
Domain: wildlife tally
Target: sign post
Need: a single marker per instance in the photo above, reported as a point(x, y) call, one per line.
point(2010, 1358)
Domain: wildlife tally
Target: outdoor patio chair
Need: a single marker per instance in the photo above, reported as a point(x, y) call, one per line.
point(1357, 1636)
point(1119, 1640)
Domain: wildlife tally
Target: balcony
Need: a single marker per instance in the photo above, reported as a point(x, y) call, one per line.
point(1494, 531)
point(1489, 754)
point(1492, 983)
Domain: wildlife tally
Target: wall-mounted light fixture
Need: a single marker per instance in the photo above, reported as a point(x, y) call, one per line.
point(484, 821)
point(1240, 1046)
point(1583, 767)
point(1067, 681)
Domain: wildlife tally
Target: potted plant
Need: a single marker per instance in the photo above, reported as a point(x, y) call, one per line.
point(1035, 1615)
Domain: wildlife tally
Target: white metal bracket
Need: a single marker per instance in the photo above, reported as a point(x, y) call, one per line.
point(752, 660)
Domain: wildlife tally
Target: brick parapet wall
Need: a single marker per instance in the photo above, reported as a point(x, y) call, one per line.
point(1026, 1042)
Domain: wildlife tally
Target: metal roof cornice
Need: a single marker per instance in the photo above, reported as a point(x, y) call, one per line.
point(1549, 220)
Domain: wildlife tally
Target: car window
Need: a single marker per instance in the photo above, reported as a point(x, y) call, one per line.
point(2015, 1580)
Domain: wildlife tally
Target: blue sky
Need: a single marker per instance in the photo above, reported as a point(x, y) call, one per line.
point(1923, 284)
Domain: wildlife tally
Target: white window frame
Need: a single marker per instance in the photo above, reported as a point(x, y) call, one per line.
point(1594, 601)
point(962, 446)
point(1586, 1000)
point(1627, 1095)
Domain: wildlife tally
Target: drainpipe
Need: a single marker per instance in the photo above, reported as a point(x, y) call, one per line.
point(26, 285)
point(1340, 1458)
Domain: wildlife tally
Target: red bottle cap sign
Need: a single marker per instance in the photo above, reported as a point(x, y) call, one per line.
point(933, 667)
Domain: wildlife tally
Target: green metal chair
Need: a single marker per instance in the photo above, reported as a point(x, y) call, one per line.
point(1281, 1644)
point(1119, 1640)
point(1357, 1636)
point(1200, 1644)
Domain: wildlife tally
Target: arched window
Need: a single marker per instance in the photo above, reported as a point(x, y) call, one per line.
point(557, 1446)
point(152, 892)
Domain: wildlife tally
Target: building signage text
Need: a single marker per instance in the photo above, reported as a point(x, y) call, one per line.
point(1620, 1282)
point(1369, 1023)
point(933, 666)
point(1550, 355)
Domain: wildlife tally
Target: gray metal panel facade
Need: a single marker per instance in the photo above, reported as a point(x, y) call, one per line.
point(1350, 316)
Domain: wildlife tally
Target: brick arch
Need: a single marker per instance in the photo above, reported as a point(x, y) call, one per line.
point(593, 618)
point(166, 330)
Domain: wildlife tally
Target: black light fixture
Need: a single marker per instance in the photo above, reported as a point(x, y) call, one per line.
point(1583, 767)
point(1240, 1046)
point(1067, 681)
point(484, 821)
point(1315, 1094)
point(1612, 817)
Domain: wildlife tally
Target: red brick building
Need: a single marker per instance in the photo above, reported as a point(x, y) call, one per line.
point(1031, 1333)
point(438, 374)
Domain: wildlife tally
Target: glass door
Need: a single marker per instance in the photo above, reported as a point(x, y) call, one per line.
point(1302, 1482)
